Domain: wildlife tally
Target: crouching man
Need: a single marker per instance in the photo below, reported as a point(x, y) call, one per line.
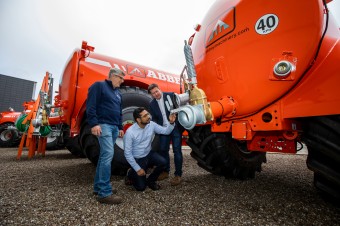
point(137, 149)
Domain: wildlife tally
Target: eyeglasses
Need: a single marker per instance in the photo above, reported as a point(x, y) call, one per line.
point(122, 78)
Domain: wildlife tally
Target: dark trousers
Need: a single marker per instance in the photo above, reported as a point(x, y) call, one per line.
point(153, 159)
point(164, 141)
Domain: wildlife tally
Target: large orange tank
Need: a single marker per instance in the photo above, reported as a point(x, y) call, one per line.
point(86, 67)
point(263, 76)
point(83, 69)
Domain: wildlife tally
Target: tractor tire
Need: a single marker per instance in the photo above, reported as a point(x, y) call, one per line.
point(52, 143)
point(221, 155)
point(9, 135)
point(321, 135)
point(55, 141)
point(72, 144)
point(132, 97)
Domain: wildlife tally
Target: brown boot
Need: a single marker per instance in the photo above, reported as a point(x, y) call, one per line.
point(163, 175)
point(175, 181)
point(114, 191)
point(111, 199)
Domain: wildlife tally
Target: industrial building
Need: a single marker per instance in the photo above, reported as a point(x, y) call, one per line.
point(14, 92)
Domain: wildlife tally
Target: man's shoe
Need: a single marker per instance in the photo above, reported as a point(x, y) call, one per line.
point(111, 199)
point(154, 186)
point(175, 181)
point(114, 191)
point(127, 181)
point(163, 175)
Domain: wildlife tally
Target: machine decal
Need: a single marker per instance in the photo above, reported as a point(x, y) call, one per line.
point(227, 37)
point(136, 71)
point(266, 24)
point(141, 72)
point(163, 77)
point(220, 27)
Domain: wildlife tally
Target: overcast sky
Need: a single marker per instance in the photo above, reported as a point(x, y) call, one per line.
point(40, 35)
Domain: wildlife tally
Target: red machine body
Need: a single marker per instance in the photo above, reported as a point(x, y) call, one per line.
point(82, 70)
point(9, 135)
point(264, 76)
point(86, 67)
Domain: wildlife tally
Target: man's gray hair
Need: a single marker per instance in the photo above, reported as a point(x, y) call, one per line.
point(116, 71)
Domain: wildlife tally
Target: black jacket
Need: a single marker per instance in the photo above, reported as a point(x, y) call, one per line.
point(104, 104)
point(157, 114)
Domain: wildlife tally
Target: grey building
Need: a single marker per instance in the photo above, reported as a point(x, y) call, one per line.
point(14, 92)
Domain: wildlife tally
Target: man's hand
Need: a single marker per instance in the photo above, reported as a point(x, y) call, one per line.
point(141, 172)
point(96, 130)
point(121, 133)
point(172, 118)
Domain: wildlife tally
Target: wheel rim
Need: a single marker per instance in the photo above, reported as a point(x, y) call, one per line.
point(51, 139)
point(6, 135)
point(127, 122)
point(242, 147)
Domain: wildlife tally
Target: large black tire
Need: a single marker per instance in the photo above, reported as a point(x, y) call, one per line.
point(132, 97)
point(322, 137)
point(72, 144)
point(219, 154)
point(55, 139)
point(9, 135)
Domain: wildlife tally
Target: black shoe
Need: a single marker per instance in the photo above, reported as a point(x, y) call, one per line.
point(154, 186)
point(127, 180)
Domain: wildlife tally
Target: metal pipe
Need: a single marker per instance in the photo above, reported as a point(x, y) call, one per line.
point(225, 107)
point(190, 64)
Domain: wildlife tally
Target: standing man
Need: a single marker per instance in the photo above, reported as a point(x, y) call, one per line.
point(104, 115)
point(160, 110)
point(137, 149)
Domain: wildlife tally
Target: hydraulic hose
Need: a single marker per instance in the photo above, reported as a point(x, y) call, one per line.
point(22, 127)
point(45, 130)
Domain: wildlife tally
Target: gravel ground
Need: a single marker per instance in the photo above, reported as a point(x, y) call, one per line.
point(57, 190)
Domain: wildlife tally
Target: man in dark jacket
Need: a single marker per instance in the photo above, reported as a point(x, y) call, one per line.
point(160, 108)
point(104, 115)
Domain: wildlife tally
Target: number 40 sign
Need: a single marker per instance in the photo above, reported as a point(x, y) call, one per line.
point(266, 24)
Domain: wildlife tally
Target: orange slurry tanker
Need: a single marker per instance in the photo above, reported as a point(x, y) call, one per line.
point(83, 69)
point(264, 77)
point(9, 135)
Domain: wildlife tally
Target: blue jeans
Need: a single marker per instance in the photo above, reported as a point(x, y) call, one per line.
point(152, 159)
point(176, 137)
point(106, 140)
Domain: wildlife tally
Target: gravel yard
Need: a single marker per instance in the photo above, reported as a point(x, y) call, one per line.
point(57, 190)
